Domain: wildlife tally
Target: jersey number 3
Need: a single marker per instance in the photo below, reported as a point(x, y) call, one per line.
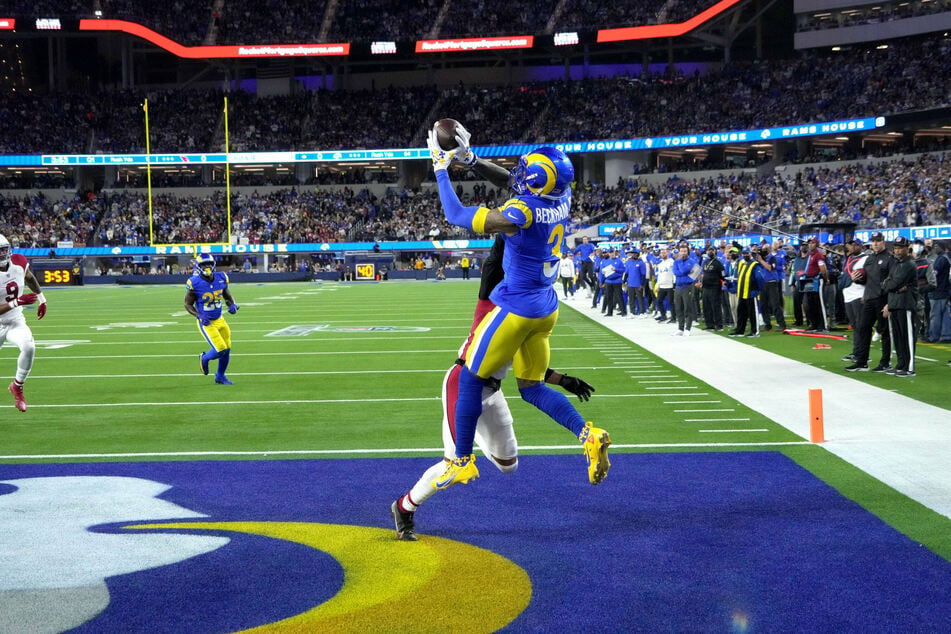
point(555, 238)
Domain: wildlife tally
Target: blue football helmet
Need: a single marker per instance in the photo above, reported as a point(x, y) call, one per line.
point(545, 172)
point(205, 264)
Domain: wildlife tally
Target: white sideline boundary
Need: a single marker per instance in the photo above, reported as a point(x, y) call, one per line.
point(902, 442)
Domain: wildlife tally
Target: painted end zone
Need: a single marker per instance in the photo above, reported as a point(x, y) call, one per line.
point(672, 542)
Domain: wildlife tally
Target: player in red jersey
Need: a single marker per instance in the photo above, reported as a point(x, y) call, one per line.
point(15, 276)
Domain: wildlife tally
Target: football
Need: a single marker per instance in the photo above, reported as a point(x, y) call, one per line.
point(446, 133)
point(858, 276)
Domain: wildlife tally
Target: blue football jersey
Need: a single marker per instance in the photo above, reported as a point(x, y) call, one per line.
point(210, 294)
point(533, 255)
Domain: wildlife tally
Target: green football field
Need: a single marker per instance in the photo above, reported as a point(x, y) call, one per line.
point(355, 371)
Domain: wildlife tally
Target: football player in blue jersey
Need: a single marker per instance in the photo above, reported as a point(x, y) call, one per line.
point(205, 290)
point(533, 224)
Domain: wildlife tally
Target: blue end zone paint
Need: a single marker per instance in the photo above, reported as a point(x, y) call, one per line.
point(672, 542)
point(254, 580)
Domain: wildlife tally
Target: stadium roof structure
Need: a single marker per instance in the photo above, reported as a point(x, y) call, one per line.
point(715, 34)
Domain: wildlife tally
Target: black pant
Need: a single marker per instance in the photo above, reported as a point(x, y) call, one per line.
point(587, 279)
point(713, 307)
point(797, 307)
point(465, 272)
point(613, 297)
point(853, 310)
point(815, 309)
point(665, 294)
point(871, 317)
point(775, 305)
point(904, 325)
point(567, 285)
point(746, 309)
point(635, 300)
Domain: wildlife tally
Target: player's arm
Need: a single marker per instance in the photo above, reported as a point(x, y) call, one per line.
point(32, 282)
point(229, 300)
point(495, 174)
point(21, 300)
point(479, 219)
point(190, 298)
point(571, 384)
point(34, 286)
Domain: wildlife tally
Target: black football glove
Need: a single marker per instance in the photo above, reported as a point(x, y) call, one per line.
point(576, 386)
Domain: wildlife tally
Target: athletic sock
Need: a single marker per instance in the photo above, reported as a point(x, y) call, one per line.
point(556, 405)
point(468, 410)
point(224, 357)
point(423, 489)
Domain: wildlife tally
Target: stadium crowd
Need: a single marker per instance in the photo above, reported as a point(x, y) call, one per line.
point(902, 191)
point(816, 86)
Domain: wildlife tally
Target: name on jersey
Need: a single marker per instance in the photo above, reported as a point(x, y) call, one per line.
point(552, 215)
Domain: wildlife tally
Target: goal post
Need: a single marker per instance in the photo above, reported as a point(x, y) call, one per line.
point(194, 247)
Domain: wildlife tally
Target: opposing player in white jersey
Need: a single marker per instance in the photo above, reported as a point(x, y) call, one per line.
point(15, 277)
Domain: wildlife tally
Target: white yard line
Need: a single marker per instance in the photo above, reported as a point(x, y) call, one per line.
point(357, 451)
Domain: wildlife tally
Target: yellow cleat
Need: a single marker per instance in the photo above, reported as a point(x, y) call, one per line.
point(596, 442)
point(459, 471)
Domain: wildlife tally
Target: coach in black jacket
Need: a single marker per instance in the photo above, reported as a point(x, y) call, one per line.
point(877, 267)
point(901, 287)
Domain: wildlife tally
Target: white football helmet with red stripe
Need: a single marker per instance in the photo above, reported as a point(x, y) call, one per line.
point(4, 250)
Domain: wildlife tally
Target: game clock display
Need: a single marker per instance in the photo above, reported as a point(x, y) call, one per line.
point(56, 276)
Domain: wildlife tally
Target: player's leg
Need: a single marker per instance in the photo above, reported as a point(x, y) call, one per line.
point(495, 436)
point(530, 363)
point(494, 343)
point(219, 348)
point(20, 335)
point(224, 356)
point(210, 334)
point(404, 508)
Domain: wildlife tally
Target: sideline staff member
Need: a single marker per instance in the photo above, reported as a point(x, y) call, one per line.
point(877, 267)
point(901, 287)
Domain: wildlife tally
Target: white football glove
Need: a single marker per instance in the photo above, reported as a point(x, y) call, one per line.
point(441, 158)
point(464, 153)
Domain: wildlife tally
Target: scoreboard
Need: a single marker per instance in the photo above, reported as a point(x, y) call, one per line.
point(49, 274)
